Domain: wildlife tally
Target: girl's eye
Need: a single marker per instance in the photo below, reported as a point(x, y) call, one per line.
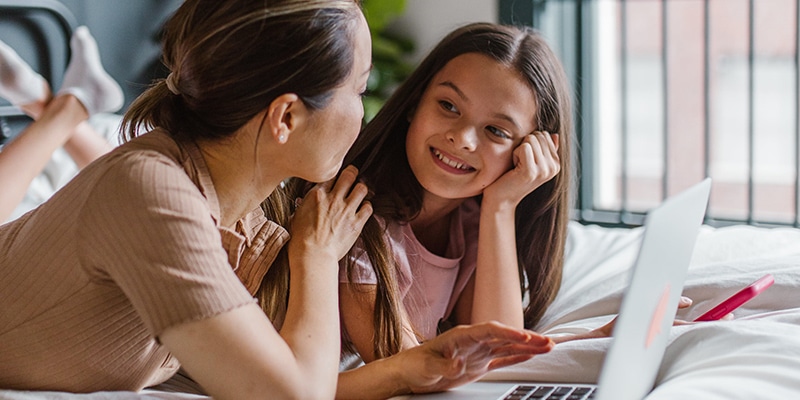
point(497, 132)
point(448, 106)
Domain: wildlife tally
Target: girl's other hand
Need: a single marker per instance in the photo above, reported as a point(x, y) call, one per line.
point(607, 329)
point(331, 216)
point(465, 353)
point(535, 160)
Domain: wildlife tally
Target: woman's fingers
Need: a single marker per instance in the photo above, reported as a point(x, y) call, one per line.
point(344, 182)
point(494, 331)
point(507, 361)
point(333, 213)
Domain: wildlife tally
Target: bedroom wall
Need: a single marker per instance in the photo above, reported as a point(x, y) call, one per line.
point(126, 31)
point(427, 21)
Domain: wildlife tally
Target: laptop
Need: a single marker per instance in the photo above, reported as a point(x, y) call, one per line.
point(646, 314)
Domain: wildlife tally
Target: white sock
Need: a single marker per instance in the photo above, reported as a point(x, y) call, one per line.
point(86, 79)
point(19, 83)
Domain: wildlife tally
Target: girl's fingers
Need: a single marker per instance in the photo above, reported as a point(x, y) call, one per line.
point(543, 160)
point(727, 317)
point(548, 143)
point(538, 149)
point(524, 155)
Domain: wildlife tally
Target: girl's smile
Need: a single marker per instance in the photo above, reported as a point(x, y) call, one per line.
point(450, 163)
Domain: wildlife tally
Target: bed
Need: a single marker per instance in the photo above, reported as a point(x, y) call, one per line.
point(757, 355)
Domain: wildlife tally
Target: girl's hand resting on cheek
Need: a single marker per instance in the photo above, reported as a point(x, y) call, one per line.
point(465, 353)
point(535, 161)
point(331, 216)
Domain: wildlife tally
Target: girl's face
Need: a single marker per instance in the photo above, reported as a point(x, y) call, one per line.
point(473, 114)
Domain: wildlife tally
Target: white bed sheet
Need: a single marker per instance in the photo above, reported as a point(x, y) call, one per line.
point(757, 355)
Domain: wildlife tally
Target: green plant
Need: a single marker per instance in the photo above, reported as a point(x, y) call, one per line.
point(389, 53)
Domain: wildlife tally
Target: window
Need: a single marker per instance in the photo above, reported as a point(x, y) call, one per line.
point(671, 91)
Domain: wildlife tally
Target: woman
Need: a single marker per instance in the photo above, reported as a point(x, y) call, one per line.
point(153, 253)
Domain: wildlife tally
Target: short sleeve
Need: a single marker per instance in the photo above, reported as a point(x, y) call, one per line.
point(147, 229)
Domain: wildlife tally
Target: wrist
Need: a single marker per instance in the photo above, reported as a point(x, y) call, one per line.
point(497, 205)
point(397, 382)
point(379, 379)
point(304, 254)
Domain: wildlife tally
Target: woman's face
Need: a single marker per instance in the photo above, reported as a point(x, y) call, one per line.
point(334, 128)
point(473, 114)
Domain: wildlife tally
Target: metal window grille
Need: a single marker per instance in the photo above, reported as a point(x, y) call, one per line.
point(671, 91)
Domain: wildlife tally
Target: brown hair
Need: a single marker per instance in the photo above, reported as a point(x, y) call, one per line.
point(542, 216)
point(230, 59)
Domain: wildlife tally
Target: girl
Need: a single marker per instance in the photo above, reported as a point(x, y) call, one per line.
point(153, 253)
point(469, 162)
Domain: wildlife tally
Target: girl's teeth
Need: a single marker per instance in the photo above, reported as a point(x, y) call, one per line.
point(448, 161)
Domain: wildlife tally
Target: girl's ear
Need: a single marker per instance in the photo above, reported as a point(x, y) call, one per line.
point(285, 115)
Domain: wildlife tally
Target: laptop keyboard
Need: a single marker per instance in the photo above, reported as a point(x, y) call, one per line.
point(540, 392)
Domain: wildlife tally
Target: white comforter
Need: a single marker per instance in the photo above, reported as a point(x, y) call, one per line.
point(755, 356)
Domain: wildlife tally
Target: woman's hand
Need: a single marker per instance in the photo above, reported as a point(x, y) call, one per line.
point(331, 216)
point(535, 161)
point(465, 353)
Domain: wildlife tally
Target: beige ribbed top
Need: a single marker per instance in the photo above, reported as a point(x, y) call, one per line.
point(130, 247)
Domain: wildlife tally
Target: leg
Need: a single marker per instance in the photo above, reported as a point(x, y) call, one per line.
point(25, 156)
point(86, 145)
point(21, 85)
point(86, 79)
point(61, 121)
point(98, 92)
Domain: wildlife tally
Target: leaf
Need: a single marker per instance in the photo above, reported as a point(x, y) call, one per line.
point(380, 12)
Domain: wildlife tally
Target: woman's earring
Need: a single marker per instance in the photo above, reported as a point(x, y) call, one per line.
point(281, 139)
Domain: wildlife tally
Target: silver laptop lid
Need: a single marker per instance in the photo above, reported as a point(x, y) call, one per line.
point(637, 348)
